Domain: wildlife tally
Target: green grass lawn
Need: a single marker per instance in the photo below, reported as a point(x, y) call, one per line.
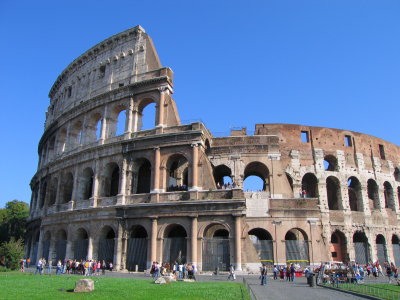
point(382, 291)
point(15, 285)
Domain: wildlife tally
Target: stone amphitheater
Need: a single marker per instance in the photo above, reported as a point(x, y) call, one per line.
point(108, 189)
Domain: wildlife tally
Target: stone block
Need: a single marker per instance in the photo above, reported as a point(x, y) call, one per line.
point(84, 286)
point(160, 280)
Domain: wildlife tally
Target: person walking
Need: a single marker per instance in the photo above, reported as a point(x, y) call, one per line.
point(263, 275)
point(232, 275)
point(59, 266)
point(276, 271)
point(39, 267)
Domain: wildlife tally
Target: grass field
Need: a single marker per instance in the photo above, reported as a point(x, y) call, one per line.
point(27, 286)
point(382, 291)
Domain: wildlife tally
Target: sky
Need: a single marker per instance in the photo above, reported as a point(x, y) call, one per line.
point(236, 63)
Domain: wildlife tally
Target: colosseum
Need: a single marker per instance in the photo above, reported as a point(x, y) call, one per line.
point(106, 188)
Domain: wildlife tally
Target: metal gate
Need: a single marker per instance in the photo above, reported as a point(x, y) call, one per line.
point(137, 254)
point(81, 249)
point(106, 250)
point(381, 253)
point(264, 250)
point(362, 253)
point(175, 250)
point(396, 254)
point(61, 246)
point(46, 248)
point(216, 254)
point(297, 252)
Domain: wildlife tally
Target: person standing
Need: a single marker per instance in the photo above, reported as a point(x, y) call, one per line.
point(275, 273)
point(232, 275)
point(263, 275)
point(292, 272)
point(39, 267)
point(59, 266)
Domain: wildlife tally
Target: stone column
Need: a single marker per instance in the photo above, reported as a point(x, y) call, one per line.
point(58, 193)
point(238, 243)
point(103, 134)
point(118, 248)
point(38, 196)
point(96, 179)
point(135, 119)
point(194, 240)
point(153, 241)
point(40, 246)
point(160, 122)
point(122, 186)
point(68, 251)
point(156, 176)
point(52, 251)
point(75, 188)
point(129, 118)
point(195, 167)
point(90, 248)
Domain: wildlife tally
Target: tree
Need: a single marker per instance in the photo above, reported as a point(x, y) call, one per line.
point(12, 252)
point(13, 220)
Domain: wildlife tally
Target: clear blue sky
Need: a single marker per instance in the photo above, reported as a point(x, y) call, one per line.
point(236, 63)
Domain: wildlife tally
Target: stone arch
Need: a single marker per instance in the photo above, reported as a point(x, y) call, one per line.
point(309, 184)
point(136, 258)
point(333, 193)
point(204, 227)
point(259, 170)
point(86, 184)
point(339, 246)
point(373, 194)
point(117, 120)
point(145, 104)
point(175, 244)
point(207, 147)
point(111, 180)
point(290, 180)
point(61, 244)
point(221, 173)
point(396, 174)
point(263, 244)
point(106, 244)
point(67, 187)
point(93, 127)
point(361, 247)
point(355, 194)
point(296, 244)
point(53, 191)
point(381, 250)
point(51, 148)
point(76, 134)
point(81, 244)
point(389, 197)
point(141, 176)
point(216, 247)
point(46, 246)
point(396, 249)
point(62, 140)
point(330, 163)
point(177, 178)
point(43, 193)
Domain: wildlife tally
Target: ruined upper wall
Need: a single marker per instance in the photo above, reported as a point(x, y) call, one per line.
point(120, 60)
point(330, 140)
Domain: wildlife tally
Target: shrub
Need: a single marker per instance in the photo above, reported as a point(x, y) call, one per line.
point(13, 252)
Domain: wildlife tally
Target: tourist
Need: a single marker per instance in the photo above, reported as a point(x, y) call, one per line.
point(292, 272)
point(59, 266)
point(110, 266)
point(21, 265)
point(98, 268)
point(28, 262)
point(49, 265)
point(232, 275)
point(275, 273)
point(281, 273)
point(39, 267)
point(263, 275)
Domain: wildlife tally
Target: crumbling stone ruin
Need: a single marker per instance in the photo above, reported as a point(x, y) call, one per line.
point(107, 189)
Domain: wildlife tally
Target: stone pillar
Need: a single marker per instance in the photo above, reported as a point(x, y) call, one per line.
point(84, 128)
point(90, 248)
point(122, 186)
point(238, 243)
point(129, 118)
point(194, 240)
point(160, 122)
point(156, 176)
point(68, 251)
point(135, 119)
point(96, 179)
point(75, 188)
point(103, 134)
point(52, 251)
point(40, 246)
point(58, 193)
point(118, 248)
point(195, 167)
point(38, 196)
point(153, 241)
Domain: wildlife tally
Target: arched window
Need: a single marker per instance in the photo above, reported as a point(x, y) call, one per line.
point(68, 186)
point(330, 163)
point(137, 249)
point(111, 180)
point(297, 247)
point(256, 177)
point(222, 175)
point(62, 140)
point(53, 191)
point(175, 244)
point(396, 174)
point(361, 248)
point(141, 180)
point(333, 193)
point(43, 192)
point(106, 244)
point(373, 196)
point(216, 250)
point(355, 195)
point(309, 184)
point(381, 249)
point(146, 115)
point(338, 247)
point(81, 244)
point(120, 128)
point(389, 199)
point(86, 184)
point(177, 175)
point(76, 135)
point(263, 244)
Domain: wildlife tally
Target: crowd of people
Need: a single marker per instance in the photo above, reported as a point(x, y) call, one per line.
point(226, 186)
point(178, 271)
point(177, 188)
point(72, 266)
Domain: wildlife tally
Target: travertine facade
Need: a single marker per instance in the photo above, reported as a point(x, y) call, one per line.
point(133, 196)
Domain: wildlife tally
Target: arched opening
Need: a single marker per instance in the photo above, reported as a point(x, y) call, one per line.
point(53, 191)
point(333, 193)
point(256, 177)
point(111, 180)
point(106, 244)
point(137, 249)
point(46, 246)
point(296, 243)
point(330, 163)
point(222, 176)
point(99, 126)
point(290, 180)
point(389, 199)
point(339, 247)
point(62, 140)
point(68, 186)
point(177, 174)
point(76, 135)
point(81, 244)
point(35, 246)
point(263, 245)
point(208, 147)
point(381, 250)
point(51, 148)
point(61, 245)
point(396, 249)
point(309, 185)
point(86, 183)
point(43, 192)
point(146, 115)
point(361, 248)
point(121, 120)
point(216, 251)
point(175, 244)
point(373, 195)
point(355, 195)
point(396, 174)
point(141, 179)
